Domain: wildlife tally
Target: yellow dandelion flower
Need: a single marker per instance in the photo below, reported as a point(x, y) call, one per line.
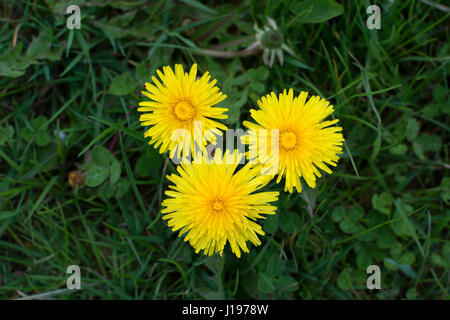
point(212, 204)
point(306, 142)
point(180, 102)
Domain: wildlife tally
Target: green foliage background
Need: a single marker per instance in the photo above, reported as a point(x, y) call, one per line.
point(68, 102)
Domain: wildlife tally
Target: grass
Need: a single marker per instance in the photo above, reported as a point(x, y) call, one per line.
point(65, 94)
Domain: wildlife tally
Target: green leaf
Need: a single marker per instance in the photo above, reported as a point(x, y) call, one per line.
point(101, 156)
point(286, 283)
point(55, 53)
point(412, 129)
point(115, 171)
point(142, 72)
point(275, 266)
point(256, 79)
point(355, 213)
point(12, 63)
point(258, 87)
point(122, 84)
point(403, 227)
point(360, 277)
point(439, 93)
point(407, 259)
point(212, 263)
point(40, 46)
point(418, 150)
point(338, 214)
point(149, 164)
point(385, 239)
point(106, 191)
point(374, 218)
point(437, 260)
point(348, 226)
point(406, 269)
point(271, 224)
point(42, 138)
point(258, 74)
point(396, 249)
point(38, 133)
point(96, 175)
point(122, 188)
point(390, 264)
point(431, 110)
point(430, 142)
point(382, 202)
point(344, 281)
point(289, 221)
point(363, 259)
point(398, 150)
point(317, 11)
point(426, 143)
point(40, 123)
point(236, 81)
point(141, 168)
point(238, 100)
point(6, 134)
point(265, 284)
point(412, 294)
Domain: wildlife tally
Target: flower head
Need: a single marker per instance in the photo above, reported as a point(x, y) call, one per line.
point(271, 40)
point(180, 101)
point(213, 204)
point(306, 142)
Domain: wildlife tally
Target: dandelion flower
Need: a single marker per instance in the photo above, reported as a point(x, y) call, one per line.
point(212, 204)
point(306, 142)
point(179, 101)
point(271, 40)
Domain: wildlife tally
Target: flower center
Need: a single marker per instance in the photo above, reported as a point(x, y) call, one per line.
point(272, 39)
point(184, 111)
point(217, 205)
point(288, 140)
